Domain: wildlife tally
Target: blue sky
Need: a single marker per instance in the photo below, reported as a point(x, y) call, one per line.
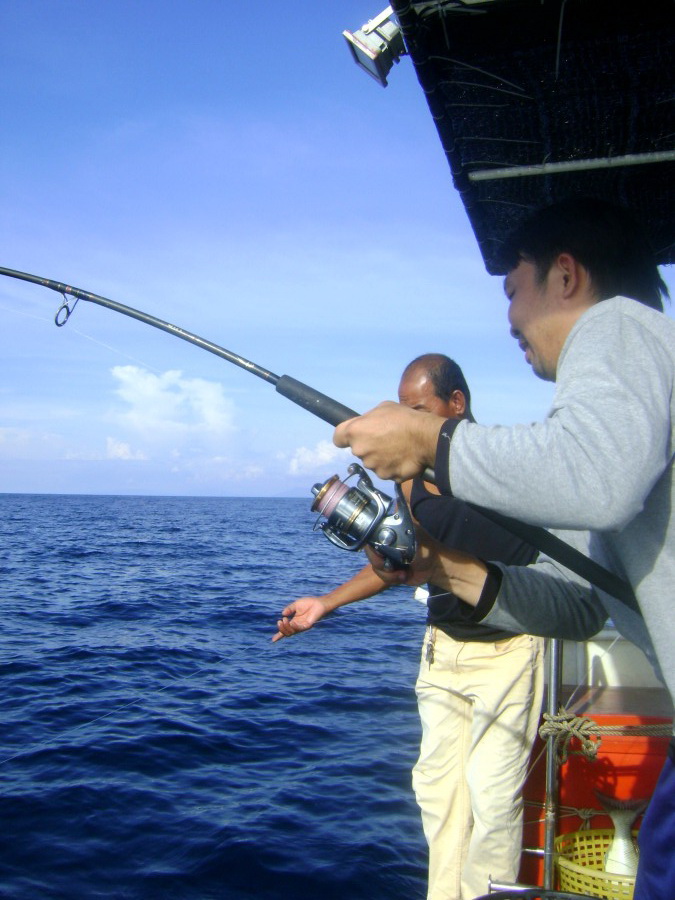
point(223, 166)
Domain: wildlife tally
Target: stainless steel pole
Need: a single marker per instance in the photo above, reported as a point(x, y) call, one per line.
point(555, 651)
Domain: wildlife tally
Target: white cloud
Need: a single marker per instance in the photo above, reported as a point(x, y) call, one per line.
point(122, 450)
point(171, 407)
point(305, 460)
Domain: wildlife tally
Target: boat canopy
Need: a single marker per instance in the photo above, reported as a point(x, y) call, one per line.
point(538, 100)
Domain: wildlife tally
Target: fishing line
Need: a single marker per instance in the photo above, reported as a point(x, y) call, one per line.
point(49, 744)
point(335, 413)
point(89, 337)
point(121, 353)
point(310, 399)
point(26, 315)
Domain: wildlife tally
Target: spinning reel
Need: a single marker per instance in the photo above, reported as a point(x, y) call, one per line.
point(361, 514)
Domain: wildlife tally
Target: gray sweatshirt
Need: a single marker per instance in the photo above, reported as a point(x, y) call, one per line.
point(600, 464)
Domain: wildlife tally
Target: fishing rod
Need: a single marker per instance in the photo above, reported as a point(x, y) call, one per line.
point(313, 401)
point(360, 514)
point(355, 515)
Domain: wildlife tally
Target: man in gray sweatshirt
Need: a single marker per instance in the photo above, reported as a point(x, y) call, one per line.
point(598, 469)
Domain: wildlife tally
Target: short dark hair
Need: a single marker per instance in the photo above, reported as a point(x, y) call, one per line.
point(606, 239)
point(444, 373)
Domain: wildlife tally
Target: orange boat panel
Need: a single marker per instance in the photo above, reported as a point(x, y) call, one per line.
point(626, 767)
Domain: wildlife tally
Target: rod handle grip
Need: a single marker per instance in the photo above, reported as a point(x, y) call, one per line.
point(314, 401)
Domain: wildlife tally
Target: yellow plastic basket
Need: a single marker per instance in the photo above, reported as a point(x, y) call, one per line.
point(580, 859)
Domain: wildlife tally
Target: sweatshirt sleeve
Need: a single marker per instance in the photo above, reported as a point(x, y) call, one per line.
point(541, 599)
point(608, 428)
point(548, 600)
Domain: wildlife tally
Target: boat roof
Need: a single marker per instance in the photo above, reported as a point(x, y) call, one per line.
point(538, 100)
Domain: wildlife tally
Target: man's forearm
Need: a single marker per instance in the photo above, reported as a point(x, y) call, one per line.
point(462, 575)
point(363, 585)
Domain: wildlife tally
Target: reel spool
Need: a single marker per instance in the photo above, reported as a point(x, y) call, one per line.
point(360, 514)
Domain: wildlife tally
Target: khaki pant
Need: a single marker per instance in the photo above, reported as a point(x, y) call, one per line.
point(480, 705)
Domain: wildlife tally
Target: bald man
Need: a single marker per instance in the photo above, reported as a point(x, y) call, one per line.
point(479, 689)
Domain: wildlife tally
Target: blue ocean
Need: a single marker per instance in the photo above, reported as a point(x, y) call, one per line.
point(154, 743)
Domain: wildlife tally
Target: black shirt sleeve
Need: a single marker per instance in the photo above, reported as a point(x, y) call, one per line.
point(488, 595)
point(442, 469)
point(461, 527)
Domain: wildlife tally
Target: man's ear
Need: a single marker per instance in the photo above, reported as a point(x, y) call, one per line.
point(459, 401)
point(571, 275)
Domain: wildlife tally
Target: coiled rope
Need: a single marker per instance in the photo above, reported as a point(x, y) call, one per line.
point(564, 726)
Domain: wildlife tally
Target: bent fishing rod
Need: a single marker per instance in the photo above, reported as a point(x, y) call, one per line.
point(319, 404)
point(361, 514)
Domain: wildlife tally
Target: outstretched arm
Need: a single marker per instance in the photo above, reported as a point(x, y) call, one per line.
point(305, 612)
